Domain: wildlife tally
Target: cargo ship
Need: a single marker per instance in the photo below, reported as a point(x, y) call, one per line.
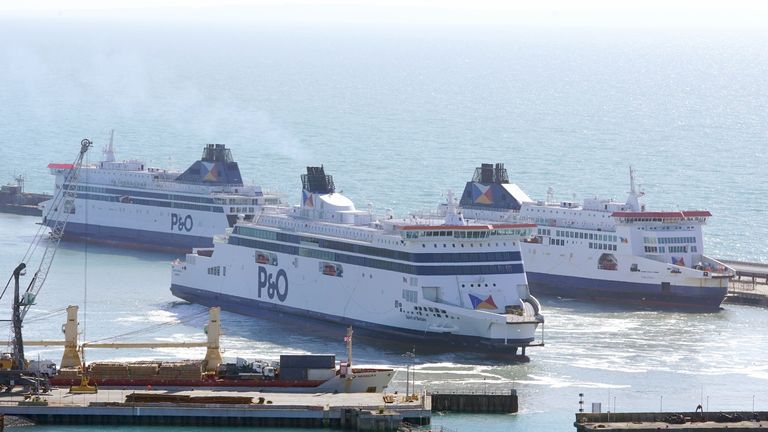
point(293, 373)
point(14, 200)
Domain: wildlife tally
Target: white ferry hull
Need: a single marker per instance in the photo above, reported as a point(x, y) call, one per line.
point(144, 227)
point(577, 275)
point(604, 250)
point(128, 204)
point(364, 298)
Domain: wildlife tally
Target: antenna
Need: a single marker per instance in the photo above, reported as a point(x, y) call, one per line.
point(109, 152)
point(20, 182)
point(632, 199)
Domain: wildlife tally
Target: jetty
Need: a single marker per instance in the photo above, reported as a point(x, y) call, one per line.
point(231, 407)
point(683, 421)
point(750, 283)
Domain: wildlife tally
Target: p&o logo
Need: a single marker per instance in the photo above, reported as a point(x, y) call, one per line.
point(276, 285)
point(181, 223)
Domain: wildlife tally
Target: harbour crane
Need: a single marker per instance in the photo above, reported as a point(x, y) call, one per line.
point(13, 367)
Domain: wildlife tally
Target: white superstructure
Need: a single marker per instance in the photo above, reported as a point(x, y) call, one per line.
point(439, 280)
point(128, 203)
point(605, 249)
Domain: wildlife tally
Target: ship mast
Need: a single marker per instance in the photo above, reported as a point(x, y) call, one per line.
point(109, 152)
point(348, 340)
point(632, 200)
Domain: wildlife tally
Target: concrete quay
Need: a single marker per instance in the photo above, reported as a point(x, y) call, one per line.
point(681, 422)
point(356, 411)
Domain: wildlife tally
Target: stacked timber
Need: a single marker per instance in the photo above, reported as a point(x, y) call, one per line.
point(180, 370)
point(69, 373)
point(108, 370)
point(143, 370)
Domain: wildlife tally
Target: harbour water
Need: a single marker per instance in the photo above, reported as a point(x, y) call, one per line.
point(399, 118)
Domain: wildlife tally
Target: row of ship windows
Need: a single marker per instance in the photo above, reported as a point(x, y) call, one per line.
point(585, 235)
point(668, 240)
point(666, 228)
point(672, 249)
point(480, 244)
point(139, 201)
point(382, 264)
point(426, 258)
point(461, 234)
point(375, 251)
point(567, 212)
point(170, 197)
point(602, 246)
point(217, 271)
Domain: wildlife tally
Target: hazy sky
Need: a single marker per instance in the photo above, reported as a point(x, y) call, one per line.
point(581, 13)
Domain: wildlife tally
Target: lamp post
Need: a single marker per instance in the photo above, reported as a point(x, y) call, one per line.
point(409, 355)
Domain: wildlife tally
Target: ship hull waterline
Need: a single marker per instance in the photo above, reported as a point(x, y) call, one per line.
point(693, 298)
point(511, 348)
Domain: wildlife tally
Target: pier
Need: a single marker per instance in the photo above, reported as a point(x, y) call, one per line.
point(685, 421)
point(750, 284)
point(351, 411)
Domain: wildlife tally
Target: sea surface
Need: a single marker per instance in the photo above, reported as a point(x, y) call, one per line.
point(399, 117)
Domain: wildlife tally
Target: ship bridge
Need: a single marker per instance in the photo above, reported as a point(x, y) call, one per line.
point(699, 216)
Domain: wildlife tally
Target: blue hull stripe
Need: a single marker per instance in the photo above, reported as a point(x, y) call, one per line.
point(678, 296)
point(245, 306)
point(141, 239)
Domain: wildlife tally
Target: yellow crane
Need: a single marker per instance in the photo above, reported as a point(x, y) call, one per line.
point(71, 357)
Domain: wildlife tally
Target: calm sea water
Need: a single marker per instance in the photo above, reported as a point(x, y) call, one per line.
point(399, 117)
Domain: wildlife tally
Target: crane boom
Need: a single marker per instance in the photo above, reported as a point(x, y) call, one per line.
point(62, 206)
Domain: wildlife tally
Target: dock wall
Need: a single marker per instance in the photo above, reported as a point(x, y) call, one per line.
point(654, 421)
point(475, 402)
point(370, 419)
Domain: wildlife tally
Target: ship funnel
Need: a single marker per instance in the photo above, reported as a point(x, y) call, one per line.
point(490, 173)
point(316, 181)
point(216, 153)
point(215, 167)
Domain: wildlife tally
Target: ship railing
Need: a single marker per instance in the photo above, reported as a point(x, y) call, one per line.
point(715, 267)
point(427, 214)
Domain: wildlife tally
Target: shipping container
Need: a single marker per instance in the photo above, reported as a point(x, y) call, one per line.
point(320, 374)
point(308, 361)
point(293, 374)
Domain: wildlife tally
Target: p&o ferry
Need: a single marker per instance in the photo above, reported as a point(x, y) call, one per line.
point(604, 249)
point(127, 203)
point(432, 280)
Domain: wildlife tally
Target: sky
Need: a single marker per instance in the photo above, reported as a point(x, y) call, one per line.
point(731, 14)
